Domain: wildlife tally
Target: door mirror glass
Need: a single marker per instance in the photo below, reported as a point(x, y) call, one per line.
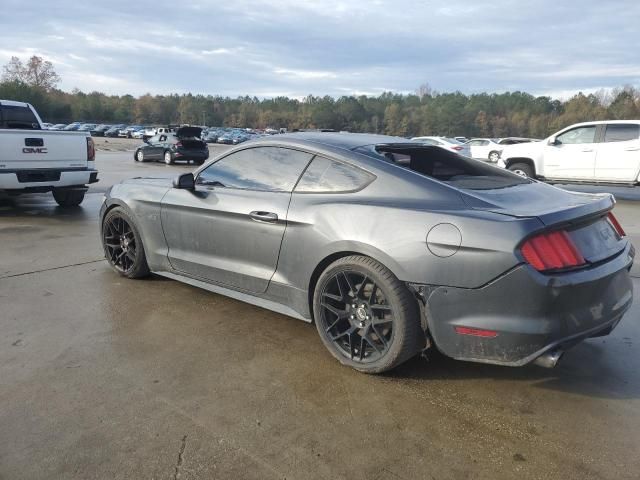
point(186, 181)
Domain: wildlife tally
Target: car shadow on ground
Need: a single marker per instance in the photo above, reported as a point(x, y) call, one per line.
point(43, 206)
point(587, 369)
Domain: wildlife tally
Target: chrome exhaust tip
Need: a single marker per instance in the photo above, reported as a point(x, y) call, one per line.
point(549, 359)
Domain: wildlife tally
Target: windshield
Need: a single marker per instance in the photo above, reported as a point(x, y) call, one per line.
point(444, 165)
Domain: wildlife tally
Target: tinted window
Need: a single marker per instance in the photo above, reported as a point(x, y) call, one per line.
point(324, 175)
point(262, 168)
point(621, 133)
point(578, 135)
point(18, 117)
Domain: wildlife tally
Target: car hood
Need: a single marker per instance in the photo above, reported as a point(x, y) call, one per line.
point(186, 132)
point(536, 199)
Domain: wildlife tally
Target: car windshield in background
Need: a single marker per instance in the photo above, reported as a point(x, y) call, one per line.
point(444, 166)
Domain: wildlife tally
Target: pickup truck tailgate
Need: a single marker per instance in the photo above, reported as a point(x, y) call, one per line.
point(35, 149)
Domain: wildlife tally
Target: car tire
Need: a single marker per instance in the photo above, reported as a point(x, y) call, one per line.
point(68, 198)
point(139, 156)
point(493, 156)
point(372, 326)
point(523, 169)
point(168, 158)
point(199, 162)
point(122, 244)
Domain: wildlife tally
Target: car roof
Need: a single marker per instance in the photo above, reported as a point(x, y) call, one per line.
point(12, 103)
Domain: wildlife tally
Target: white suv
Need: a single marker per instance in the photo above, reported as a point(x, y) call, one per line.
point(590, 152)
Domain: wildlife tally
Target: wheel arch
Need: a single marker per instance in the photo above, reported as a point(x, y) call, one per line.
point(526, 160)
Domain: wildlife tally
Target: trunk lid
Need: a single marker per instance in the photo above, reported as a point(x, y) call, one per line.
point(188, 132)
point(550, 204)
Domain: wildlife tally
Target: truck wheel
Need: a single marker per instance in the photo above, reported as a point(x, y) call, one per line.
point(365, 316)
point(523, 169)
point(168, 158)
point(68, 198)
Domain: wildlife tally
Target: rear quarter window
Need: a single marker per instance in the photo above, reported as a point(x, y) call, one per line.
point(328, 176)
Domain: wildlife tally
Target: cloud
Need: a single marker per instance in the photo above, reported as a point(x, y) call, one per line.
point(334, 47)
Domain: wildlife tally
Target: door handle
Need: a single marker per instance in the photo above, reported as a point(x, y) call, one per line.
point(267, 217)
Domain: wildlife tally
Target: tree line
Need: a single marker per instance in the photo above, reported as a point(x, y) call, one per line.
point(426, 112)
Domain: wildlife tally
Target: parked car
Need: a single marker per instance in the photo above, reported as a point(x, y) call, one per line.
point(388, 246)
point(183, 145)
point(139, 133)
point(35, 160)
point(461, 139)
point(114, 131)
point(100, 130)
point(591, 152)
point(58, 126)
point(127, 132)
point(212, 136)
point(72, 127)
point(487, 149)
point(87, 127)
point(445, 142)
point(153, 131)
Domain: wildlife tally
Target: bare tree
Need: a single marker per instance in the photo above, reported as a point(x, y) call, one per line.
point(424, 90)
point(37, 72)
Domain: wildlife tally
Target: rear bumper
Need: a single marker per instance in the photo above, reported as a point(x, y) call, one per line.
point(43, 180)
point(191, 154)
point(531, 313)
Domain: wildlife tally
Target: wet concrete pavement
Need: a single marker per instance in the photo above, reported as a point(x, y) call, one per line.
point(102, 377)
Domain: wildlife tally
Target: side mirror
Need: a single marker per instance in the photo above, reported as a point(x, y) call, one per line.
point(554, 141)
point(186, 181)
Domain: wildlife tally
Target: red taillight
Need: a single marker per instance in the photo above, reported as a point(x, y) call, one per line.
point(457, 148)
point(615, 224)
point(91, 150)
point(476, 332)
point(550, 251)
point(178, 145)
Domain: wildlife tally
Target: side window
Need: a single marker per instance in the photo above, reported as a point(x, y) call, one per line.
point(324, 175)
point(163, 138)
point(484, 143)
point(621, 132)
point(271, 169)
point(154, 139)
point(12, 116)
point(578, 135)
point(474, 143)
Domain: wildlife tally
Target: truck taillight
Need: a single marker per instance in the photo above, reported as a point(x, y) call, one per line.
point(615, 224)
point(91, 150)
point(552, 251)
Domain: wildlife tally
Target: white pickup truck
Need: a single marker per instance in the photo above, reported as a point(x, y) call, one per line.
point(590, 152)
point(34, 160)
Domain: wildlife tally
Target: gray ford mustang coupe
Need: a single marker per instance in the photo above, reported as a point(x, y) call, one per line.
point(389, 247)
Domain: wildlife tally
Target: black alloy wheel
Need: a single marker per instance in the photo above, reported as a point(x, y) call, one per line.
point(122, 245)
point(366, 316)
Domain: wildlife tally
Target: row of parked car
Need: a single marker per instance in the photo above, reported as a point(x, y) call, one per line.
point(487, 149)
point(224, 135)
point(606, 151)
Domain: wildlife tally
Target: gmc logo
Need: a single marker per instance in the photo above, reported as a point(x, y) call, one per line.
point(34, 150)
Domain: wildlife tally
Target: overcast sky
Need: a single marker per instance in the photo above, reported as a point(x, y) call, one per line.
point(294, 48)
